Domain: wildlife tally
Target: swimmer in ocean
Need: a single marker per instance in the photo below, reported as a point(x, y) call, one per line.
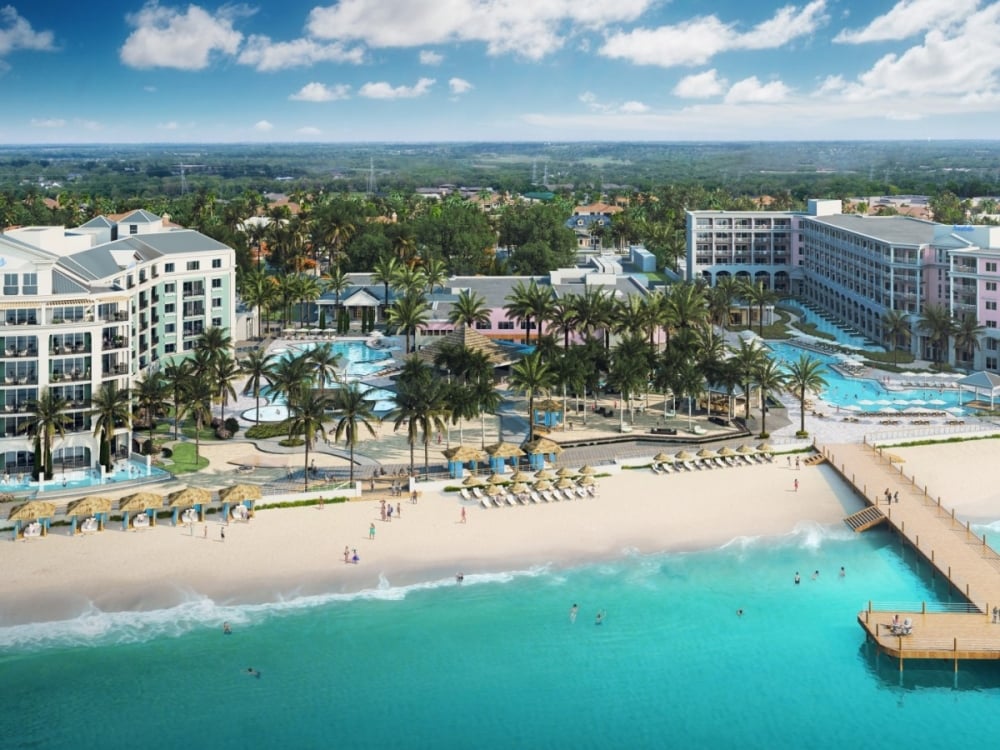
point(572, 613)
point(253, 672)
point(600, 617)
point(226, 630)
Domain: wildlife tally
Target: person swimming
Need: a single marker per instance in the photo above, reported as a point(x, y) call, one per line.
point(600, 617)
point(253, 672)
point(226, 630)
point(572, 613)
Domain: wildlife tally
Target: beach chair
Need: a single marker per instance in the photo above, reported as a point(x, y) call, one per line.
point(655, 468)
point(509, 499)
point(465, 494)
point(535, 496)
point(580, 492)
point(548, 495)
point(485, 502)
point(720, 462)
point(667, 469)
point(592, 490)
point(478, 493)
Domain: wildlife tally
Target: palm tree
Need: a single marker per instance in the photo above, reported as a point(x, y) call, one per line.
point(804, 375)
point(307, 416)
point(176, 373)
point(937, 326)
point(563, 317)
point(408, 397)
point(215, 341)
point(257, 366)
point(354, 413)
point(325, 362)
point(258, 290)
point(338, 283)
point(527, 303)
point(198, 392)
point(531, 376)
point(224, 371)
point(770, 379)
point(435, 274)
point(630, 366)
point(432, 414)
point(747, 360)
point(111, 407)
point(291, 377)
point(308, 292)
point(408, 314)
point(48, 420)
point(384, 272)
point(151, 399)
point(409, 280)
point(760, 295)
point(967, 332)
point(896, 326)
point(469, 309)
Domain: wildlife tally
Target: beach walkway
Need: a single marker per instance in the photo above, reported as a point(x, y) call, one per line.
point(964, 631)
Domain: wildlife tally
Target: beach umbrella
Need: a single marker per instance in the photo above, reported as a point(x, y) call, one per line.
point(587, 470)
point(660, 458)
point(955, 410)
point(918, 402)
point(493, 490)
point(565, 472)
point(889, 410)
point(188, 497)
point(521, 476)
point(746, 450)
point(504, 450)
point(684, 456)
point(32, 511)
point(706, 453)
point(472, 481)
point(139, 501)
point(498, 479)
point(765, 448)
point(587, 481)
point(544, 474)
point(901, 402)
point(937, 402)
point(883, 402)
point(542, 484)
point(237, 493)
point(89, 506)
point(464, 453)
point(726, 451)
point(565, 483)
point(543, 445)
point(866, 402)
point(548, 405)
point(519, 488)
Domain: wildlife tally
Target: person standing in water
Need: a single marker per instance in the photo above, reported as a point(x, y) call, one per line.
point(572, 613)
point(599, 620)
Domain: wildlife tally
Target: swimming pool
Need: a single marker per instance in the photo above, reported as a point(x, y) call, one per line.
point(70, 479)
point(841, 334)
point(869, 395)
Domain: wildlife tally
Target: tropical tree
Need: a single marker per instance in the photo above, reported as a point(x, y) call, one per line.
point(216, 341)
point(937, 326)
point(532, 377)
point(325, 362)
point(527, 303)
point(630, 368)
point(747, 360)
point(308, 413)
point(48, 419)
point(896, 327)
point(761, 296)
point(224, 371)
point(411, 386)
point(384, 272)
point(435, 274)
point(355, 413)
point(469, 309)
point(258, 289)
point(151, 395)
point(176, 373)
point(770, 378)
point(804, 375)
point(967, 334)
point(408, 314)
point(111, 408)
point(338, 283)
point(257, 366)
point(291, 377)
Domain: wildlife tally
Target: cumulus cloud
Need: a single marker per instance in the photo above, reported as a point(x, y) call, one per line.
point(528, 29)
point(697, 40)
point(263, 126)
point(383, 90)
point(320, 92)
point(48, 122)
point(167, 38)
point(633, 108)
point(172, 125)
point(701, 85)
point(429, 57)
point(266, 55)
point(459, 86)
point(308, 130)
point(908, 18)
point(17, 33)
point(594, 104)
point(752, 90)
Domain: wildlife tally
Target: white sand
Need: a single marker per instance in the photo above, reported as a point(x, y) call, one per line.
point(285, 552)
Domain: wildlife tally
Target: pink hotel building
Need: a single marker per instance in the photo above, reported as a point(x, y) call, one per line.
point(857, 268)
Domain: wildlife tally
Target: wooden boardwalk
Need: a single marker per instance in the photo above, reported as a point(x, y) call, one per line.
point(965, 560)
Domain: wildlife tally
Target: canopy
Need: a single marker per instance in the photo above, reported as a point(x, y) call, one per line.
point(188, 497)
point(549, 404)
point(519, 488)
point(498, 479)
point(587, 470)
point(464, 453)
point(565, 471)
point(544, 474)
point(660, 458)
point(727, 451)
point(765, 448)
point(746, 449)
point(987, 382)
point(32, 511)
point(472, 481)
point(706, 453)
point(240, 492)
point(542, 484)
point(140, 501)
point(587, 481)
point(542, 445)
point(88, 506)
point(684, 456)
point(493, 490)
point(565, 483)
point(520, 476)
point(504, 450)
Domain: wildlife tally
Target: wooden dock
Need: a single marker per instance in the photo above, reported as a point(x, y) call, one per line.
point(967, 562)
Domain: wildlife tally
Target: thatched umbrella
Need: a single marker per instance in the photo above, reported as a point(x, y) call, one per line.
point(765, 448)
point(500, 452)
point(497, 479)
point(544, 474)
point(727, 452)
point(464, 454)
point(564, 472)
point(519, 488)
point(493, 490)
point(35, 510)
point(684, 456)
point(746, 450)
point(237, 493)
point(587, 481)
point(188, 498)
point(549, 404)
point(92, 505)
point(542, 484)
point(587, 470)
point(662, 458)
point(472, 481)
point(706, 453)
point(565, 483)
point(521, 476)
point(542, 445)
point(139, 502)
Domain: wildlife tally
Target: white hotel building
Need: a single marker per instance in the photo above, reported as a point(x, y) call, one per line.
point(96, 304)
point(857, 268)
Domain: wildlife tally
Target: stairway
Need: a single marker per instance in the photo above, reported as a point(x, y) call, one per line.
point(864, 519)
point(815, 459)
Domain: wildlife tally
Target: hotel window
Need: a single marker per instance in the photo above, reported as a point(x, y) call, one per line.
point(991, 305)
point(991, 363)
point(168, 268)
point(169, 308)
point(170, 328)
point(216, 301)
point(991, 286)
point(170, 348)
point(216, 262)
point(216, 283)
point(217, 322)
point(193, 265)
point(991, 268)
point(29, 283)
point(991, 324)
point(133, 229)
point(483, 325)
point(505, 325)
point(170, 288)
point(10, 284)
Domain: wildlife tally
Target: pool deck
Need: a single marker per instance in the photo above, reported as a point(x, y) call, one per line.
point(966, 561)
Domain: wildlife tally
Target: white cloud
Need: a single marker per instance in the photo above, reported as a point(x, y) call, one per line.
point(593, 104)
point(700, 85)
point(48, 122)
point(166, 38)
point(429, 57)
point(459, 85)
point(263, 126)
point(88, 124)
point(172, 125)
point(752, 90)
point(320, 92)
point(383, 90)
point(528, 29)
point(266, 56)
point(633, 108)
point(908, 18)
point(308, 130)
point(16, 33)
point(149, 89)
point(697, 40)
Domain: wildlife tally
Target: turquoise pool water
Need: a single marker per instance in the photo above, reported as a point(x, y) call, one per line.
point(868, 394)
point(125, 471)
point(497, 663)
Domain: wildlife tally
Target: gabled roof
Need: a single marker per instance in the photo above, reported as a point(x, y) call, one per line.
point(63, 284)
point(470, 339)
point(360, 296)
point(140, 216)
point(98, 222)
point(982, 380)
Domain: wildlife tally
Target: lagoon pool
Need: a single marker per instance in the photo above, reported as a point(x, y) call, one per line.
point(72, 479)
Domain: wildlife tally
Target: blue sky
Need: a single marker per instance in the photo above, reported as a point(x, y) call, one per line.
point(120, 71)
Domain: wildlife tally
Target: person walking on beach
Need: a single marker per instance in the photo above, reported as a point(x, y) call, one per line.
point(399, 511)
point(388, 513)
point(347, 554)
point(222, 533)
point(796, 485)
point(796, 463)
point(371, 531)
point(788, 459)
point(896, 496)
point(204, 532)
point(463, 514)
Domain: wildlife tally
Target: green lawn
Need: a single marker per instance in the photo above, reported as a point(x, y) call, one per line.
point(183, 460)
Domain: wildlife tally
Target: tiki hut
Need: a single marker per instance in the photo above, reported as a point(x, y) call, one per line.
point(565, 483)
point(746, 450)
point(587, 481)
point(521, 476)
point(540, 448)
point(472, 481)
point(564, 472)
point(659, 458)
point(550, 412)
point(497, 479)
point(96, 506)
point(242, 495)
point(544, 474)
point(191, 497)
point(459, 456)
point(34, 512)
point(588, 471)
point(542, 484)
point(499, 452)
point(139, 503)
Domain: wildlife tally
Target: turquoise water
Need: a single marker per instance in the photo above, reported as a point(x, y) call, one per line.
point(497, 663)
point(868, 394)
point(124, 471)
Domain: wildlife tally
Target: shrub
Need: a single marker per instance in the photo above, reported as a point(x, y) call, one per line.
point(222, 434)
point(291, 442)
point(232, 425)
point(269, 430)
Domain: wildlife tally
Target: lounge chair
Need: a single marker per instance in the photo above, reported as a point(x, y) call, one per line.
point(485, 502)
point(720, 462)
point(550, 496)
point(535, 496)
point(655, 468)
point(478, 493)
point(592, 490)
point(465, 494)
point(580, 492)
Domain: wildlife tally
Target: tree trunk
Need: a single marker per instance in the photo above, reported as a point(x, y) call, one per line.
point(306, 472)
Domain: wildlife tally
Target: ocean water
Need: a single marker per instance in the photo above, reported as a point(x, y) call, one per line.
point(496, 662)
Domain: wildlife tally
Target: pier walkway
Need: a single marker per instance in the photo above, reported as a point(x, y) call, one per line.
point(967, 562)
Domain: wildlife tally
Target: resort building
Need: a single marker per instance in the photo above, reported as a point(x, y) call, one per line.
point(99, 304)
point(857, 268)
